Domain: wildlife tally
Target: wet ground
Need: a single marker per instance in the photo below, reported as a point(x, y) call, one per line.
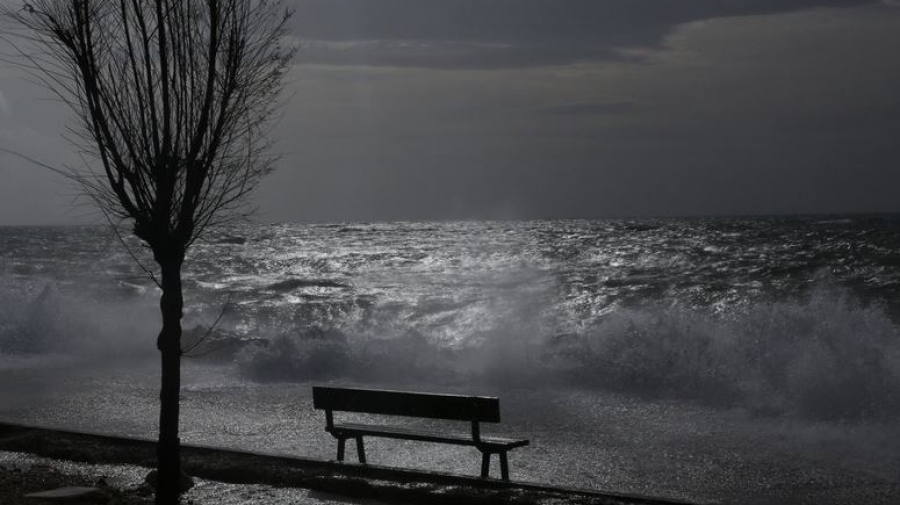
point(582, 439)
point(39, 459)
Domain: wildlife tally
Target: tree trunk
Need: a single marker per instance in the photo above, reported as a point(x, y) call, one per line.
point(169, 344)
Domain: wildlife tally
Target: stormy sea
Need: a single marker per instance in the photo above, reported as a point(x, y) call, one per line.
point(736, 360)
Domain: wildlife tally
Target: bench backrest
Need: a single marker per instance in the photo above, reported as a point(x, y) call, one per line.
point(403, 403)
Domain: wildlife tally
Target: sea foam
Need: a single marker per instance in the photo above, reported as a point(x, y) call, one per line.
point(825, 355)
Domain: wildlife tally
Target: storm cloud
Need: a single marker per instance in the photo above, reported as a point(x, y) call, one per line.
point(505, 33)
point(529, 109)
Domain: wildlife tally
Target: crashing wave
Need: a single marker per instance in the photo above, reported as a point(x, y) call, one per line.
point(824, 356)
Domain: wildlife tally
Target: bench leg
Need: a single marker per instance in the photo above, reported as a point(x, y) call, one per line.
point(486, 464)
point(341, 443)
point(504, 466)
point(360, 450)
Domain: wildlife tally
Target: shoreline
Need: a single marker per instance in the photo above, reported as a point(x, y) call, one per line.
point(391, 485)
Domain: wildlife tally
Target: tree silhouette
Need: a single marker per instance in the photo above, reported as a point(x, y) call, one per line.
point(173, 100)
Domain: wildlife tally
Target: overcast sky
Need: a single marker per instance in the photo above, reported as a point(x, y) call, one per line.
point(520, 109)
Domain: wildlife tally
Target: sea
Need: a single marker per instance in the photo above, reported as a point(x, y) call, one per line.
point(745, 360)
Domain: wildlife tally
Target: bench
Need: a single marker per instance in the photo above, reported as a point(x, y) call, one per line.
point(474, 409)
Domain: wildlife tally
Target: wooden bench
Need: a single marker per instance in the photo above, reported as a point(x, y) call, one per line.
point(474, 409)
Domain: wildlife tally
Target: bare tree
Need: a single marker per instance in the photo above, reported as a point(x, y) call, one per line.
point(172, 100)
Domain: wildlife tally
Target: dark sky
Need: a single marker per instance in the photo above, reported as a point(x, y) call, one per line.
point(459, 109)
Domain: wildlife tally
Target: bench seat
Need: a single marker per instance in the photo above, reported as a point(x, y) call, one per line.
point(350, 430)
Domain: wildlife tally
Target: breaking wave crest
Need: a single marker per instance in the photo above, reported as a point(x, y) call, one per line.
point(38, 322)
point(826, 355)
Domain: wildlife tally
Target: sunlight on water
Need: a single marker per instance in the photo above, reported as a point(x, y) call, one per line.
point(694, 354)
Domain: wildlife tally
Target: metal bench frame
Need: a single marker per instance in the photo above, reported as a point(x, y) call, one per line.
point(474, 409)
